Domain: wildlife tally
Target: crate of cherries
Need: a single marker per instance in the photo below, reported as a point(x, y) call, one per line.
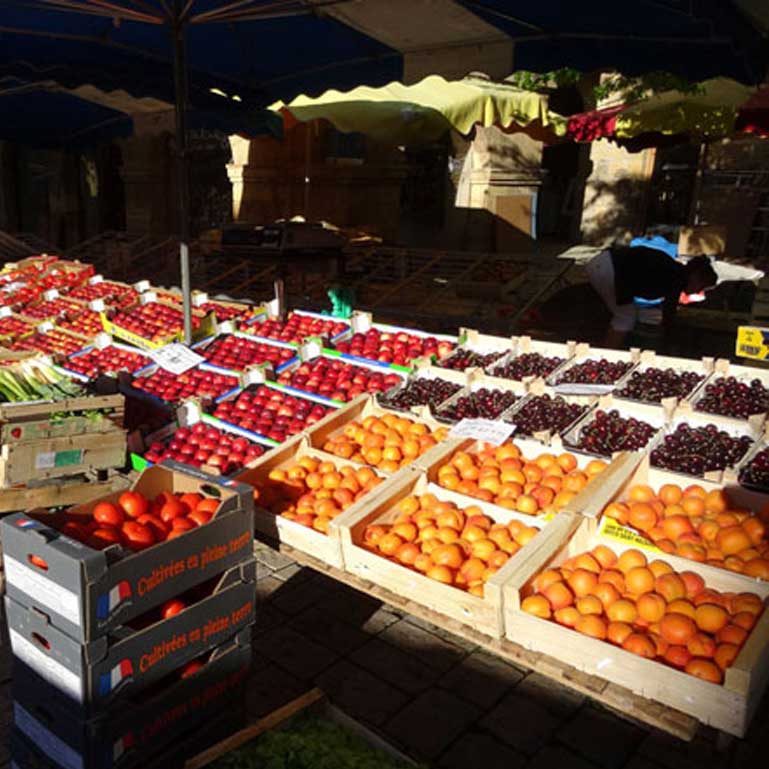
point(529, 364)
point(611, 431)
point(653, 385)
point(464, 358)
point(423, 391)
point(481, 403)
point(546, 413)
point(731, 396)
point(595, 371)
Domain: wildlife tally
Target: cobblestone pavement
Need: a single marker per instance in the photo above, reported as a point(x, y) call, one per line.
point(438, 698)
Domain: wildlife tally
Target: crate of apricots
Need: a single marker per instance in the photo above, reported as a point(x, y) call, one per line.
point(427, 545)
point(682, 633)
point(299, 493)
point(366, 434)
point(724, 527)
point(522, 476)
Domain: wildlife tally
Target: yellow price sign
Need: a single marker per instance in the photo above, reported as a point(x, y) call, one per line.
point(612, 529)
point(752, 342)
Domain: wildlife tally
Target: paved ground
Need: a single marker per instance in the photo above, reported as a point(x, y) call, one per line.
point(437, 697)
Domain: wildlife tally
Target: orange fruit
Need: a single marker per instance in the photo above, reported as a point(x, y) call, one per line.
point(582, 582)
point(704, 669)
point(617, 632)
point(604, 556)
point(537, 605)
point(389, 543)
point(640, 644)
point(545, 578)
point(447, 555)
point(641, 493)
point(423, 563)
point(592, 626)
point(622, 611)
point(683, 607)
point(651, 607)
point(732, 634)
point(441, 574)
point(716, 501)
point(406, 531)
point(693, 583)
point(670, 494)
point(757, 567)
point(693, 505)
point(589, 604)
point(732, 539)
point(677, 656)
point(670, 587)
point(567, 616)
point(606, 593)
point(642, 516)
point(725, 655)
point(711, 618)
point(559, 595)
point(613, 577)
point(701, 645)
point(630, 559)
point(677, 629)
point(408, 553)
point(639, 580)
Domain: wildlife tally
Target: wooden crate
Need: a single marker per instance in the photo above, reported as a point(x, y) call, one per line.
point(36, 445)
point(423, 370)
point(477, 380)
point(325, 547)
point(723, 368)
point(483, 344)
point(728, 707)
point(523, 345)
point(484, 614)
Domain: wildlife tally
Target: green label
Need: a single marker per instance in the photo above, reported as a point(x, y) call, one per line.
point(68, 458)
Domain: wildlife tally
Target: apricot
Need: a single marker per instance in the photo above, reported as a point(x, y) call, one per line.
point(606, 593)
point(604, 556)
point(630, 559)
point(582, 582)
point(711, 618)
point(732, 539)
point(640, 644)
point(670, 587)
point(683, 607)
point(591, 625)
point(559, 595)
point(732, 634)
point(617, 632)
point(622, 611)
point(725, 655)
point(651, 607)
point(704, 669)
point(567, 616)
point(537, 605)
point(701, 645)
point(677, 629)
point(589, 604)
point(639, 580)
point(677, 656)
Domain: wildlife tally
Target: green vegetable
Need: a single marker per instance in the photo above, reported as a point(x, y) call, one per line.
point(309, 742)
point(34, 380)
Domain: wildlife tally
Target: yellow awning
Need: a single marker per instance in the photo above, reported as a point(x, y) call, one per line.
point(408, 114)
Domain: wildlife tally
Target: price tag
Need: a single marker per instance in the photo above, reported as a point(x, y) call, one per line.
point(578, 388)
point(199, 298)
point(95, 280)
point(97, 305)
point(142, 286)
point(5, 312)
point(493, 431)
point(50, 295)
point(176, 358)
point(148, 296)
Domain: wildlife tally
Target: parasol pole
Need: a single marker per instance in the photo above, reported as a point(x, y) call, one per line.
point(183, 181)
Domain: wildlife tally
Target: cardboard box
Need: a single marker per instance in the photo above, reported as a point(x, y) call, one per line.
point(129, 660)
point(126, 734)
point(87, 592)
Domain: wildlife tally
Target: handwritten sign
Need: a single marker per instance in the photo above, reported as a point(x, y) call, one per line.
point(578, 388)
point(176, 358)
point(491, 431)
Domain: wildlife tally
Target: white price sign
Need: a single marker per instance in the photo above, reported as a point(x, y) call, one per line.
point(492, 431)
point(176, 358)
point(577, 388)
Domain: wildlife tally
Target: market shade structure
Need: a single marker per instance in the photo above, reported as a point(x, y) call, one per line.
point(419, 113)
point(712, 110)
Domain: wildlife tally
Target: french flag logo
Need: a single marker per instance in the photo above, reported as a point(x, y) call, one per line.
point(108, 682)
point(25, 523)
point(107, 603)
point(121, 746)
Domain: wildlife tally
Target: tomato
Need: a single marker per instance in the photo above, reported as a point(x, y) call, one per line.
point(191, 500)
point(138, 536)
point(162, 498)
point(159, 528)
point(200, 517)
point(73, 530)
point(108, 514)
point(105, 536)
point(134, 504)
point(185, 524)
point(191, 668)
point(172, 608)
point(208, 505)
point(171, 510)
point(174, 533)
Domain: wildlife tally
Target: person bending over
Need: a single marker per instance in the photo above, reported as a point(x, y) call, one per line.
point(621, 273)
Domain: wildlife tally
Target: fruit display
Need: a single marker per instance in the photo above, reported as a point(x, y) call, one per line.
point(420, 392)
point(731, 397)
point(545, 412)
point(112, 293)
point(296, 328)
point(652, 385)
point(63, 275)
point(387, 442)
point(203, 444)
point(530, 364)
point(32, 380)
point(647, 608)
point(137, 523)
point(485, 403)
point(609, 432)
point(12, 327)
point(53, 342)
point(461, 547)
point(52, 309)
point(153, 321)
point(756, 472)
point(88, 323)
point(269, 412)
point(312, 492)
point(699, 450)
point(398, 347)
point(336, 379)
point(701, 525)
point(224, 312)
point(594, 371)
point(463, 359)
point(504, 476)
point(107, 360)
point(195, 383)
point(238, 353)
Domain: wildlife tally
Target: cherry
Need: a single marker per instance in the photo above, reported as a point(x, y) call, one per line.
point(595, 372)
point(546, 413)
point(699, 450)
point(610, 432)
point(526, 365)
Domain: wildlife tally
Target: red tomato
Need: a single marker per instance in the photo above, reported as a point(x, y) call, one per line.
point(191, 668)
point(108, 514)
point(191, 500)
point(172, 509)
point(133, 503)
point(174, 533)
point(172, 608)
point(185, 524)
point(73, 530)
point(105, 536)
point(159, 528)
point(200, 517)
point(208, 505)
point(138, 536)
